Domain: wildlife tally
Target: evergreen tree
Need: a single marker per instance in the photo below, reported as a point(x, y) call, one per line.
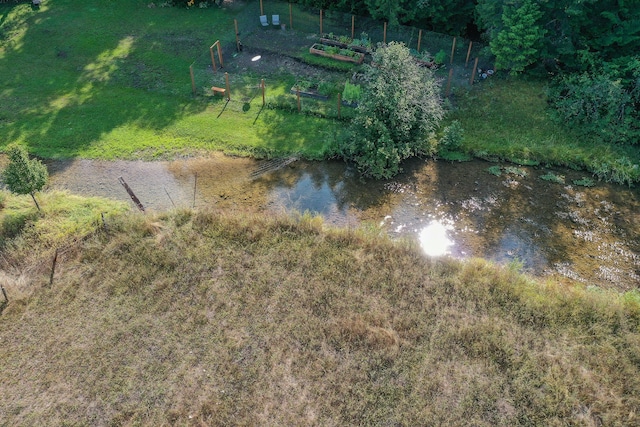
point(517, 43)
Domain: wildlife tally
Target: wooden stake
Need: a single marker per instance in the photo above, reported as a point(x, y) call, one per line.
point(235, 23)
point(419, 39)
point(53, 267)
point(169, 196)
point(4, 293)
point(262, 85)
point(446, 93)
point(298, 95)
point(473, 73)
point(339, 103)
point(290, 17)
point(320, 22)
point(226, 79)
point(193, 80)
point(453, 48)
point(104, 223)
point(131, 194)
point(213, 59)
point(384, 37)
point(353, 26)
point(195, 187)
point(468, 54)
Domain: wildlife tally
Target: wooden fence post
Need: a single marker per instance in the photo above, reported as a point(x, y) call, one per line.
point(235, 23)
point(131, 194)
point(353, 26)
point(473, 73)
point(53, 267)
point(453, 48)
point(298, 95)
point(262, 85)
point(468, 54)
point(290, 17)
point(320, 22)
point(104, 223)
point(226, 79)
point(446, 93)
point(384, 36)
point(213, 59)
point(419, 40)
point(195, 187)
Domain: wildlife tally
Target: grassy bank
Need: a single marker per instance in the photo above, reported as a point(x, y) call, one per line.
point(507, 119)
point(207, 317)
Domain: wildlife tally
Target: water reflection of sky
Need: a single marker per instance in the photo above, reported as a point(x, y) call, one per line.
point(515, 247)
point(310, 195)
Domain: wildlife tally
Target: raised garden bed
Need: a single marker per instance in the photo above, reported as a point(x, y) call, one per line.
point(345, 55)
point(330, 42)
point(309, 93)
point(428, 64)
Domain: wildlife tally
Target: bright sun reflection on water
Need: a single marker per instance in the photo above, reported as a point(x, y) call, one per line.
point(434, 240)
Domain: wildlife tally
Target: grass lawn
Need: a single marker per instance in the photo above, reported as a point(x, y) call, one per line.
point(111, 80)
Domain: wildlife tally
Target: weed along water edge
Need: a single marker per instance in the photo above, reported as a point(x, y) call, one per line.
point(587, 234)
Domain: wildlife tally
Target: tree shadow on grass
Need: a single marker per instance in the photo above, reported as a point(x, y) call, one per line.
point(289, 132)
point(65, 90)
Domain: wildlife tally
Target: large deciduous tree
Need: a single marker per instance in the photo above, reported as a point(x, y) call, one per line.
point(23, 175)
point(399, 110)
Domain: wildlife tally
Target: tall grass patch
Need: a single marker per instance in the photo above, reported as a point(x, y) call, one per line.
point(223, 318)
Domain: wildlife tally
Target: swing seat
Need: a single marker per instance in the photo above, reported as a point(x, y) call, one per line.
point(275, 19)
point(263, 21)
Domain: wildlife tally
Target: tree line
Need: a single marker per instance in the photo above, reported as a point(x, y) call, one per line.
point(556, 34)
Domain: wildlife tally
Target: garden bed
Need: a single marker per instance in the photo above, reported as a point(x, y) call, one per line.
point(309, 93)
point(331, 42)
point(346, 55)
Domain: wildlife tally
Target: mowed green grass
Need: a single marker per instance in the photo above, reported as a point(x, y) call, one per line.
point(111, 80)
point(223, 318)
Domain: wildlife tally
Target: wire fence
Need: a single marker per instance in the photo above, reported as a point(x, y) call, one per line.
point(288, 30)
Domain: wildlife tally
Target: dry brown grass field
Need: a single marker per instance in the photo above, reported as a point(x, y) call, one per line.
point(218, 318)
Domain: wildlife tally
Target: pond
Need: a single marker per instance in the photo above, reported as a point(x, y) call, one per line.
point(586, 234)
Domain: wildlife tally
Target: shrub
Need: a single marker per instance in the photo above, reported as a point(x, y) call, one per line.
point(399, 110)
point(597, 105)
point(440, 57)
point(452, 136)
